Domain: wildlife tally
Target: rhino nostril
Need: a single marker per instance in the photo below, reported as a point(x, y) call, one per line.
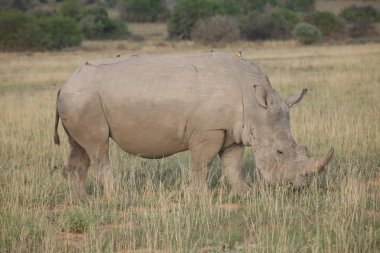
point(280, 152)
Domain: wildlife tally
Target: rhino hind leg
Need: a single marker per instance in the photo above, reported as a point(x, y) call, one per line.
point(87, 125)
point(99, 155)
point(231, 163)
point(76, 170)
point(203, 149)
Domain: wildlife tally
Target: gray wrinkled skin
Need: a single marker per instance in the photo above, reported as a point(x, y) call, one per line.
point(155, 106)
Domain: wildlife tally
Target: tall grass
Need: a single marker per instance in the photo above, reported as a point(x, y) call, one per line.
point(152, 210)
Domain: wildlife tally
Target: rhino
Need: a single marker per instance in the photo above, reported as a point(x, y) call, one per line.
point(154, 106)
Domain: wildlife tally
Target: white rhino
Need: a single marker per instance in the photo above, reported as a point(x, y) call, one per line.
point(154, 106)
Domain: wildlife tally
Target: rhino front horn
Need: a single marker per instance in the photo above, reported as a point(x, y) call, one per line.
point(321, 163)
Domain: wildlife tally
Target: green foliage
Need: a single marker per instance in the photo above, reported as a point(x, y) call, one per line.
point(22, 5)
point(143, 10)
point(110, 3)
point(357, 14)
point(20, 31)
point(286, 16)
point(72, 8)
point(361, 20)
point(186, 13)
point(96, 24)
point(228, 7)
point(276, 24)
point(79, 220)
point(216, 29)
point(298, 5)
point(248, 6)
point(327, 23)
point(307, 33)
point(361, 29)
point(62, 31)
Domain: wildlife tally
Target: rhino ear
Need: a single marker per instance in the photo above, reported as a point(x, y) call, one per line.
point(261, 95)
point(292, 100)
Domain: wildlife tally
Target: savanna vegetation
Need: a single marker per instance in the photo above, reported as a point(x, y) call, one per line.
point(151, 209)
point(38, 25)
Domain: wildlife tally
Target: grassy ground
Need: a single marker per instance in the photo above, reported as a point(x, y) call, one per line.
point(339, 212)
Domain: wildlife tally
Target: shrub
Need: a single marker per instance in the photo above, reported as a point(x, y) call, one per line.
point(329, 24)
point(276, 24)
point(249, 6)
point(361, 29)
point(361, 20)
point(72, 9)
point(285, 15)
point(307, 33)
point(298, 5)
point(356, 14)
point(22, 5)
point(96, 24)
point(79, 220)
point(216, 29)
point(143, 10)
point(187, 12)
point(62, 31)
point(110, 3)
point(20, 31)
point(228, 7)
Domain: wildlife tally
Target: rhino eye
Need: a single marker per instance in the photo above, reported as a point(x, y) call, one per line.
point(279, 152)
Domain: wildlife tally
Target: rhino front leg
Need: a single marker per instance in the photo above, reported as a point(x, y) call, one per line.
point(231, 163)
point(203, 149)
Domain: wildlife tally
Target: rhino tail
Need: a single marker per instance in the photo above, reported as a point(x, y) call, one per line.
point(56, 136)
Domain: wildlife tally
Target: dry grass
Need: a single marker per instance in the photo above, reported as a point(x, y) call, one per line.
point(151, 211)
point(151, 31)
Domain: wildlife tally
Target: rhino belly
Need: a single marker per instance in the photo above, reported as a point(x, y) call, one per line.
point(147, 128)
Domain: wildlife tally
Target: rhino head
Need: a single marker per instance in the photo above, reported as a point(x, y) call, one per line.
point(278, 157)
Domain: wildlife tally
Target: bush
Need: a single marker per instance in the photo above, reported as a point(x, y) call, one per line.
point(22, 5)
point(97, 25)
point(187, 12)
point(356, 14)
point(298, 5)
point(361, 20)
point(285, 15)
point(329, 24)
point(72, 9)
point(20, 31)
point(228, 7)
point(307, 33)
point(361, 29)
point(62, 31)
point(216, 29)
point(276, 24)
point(249, 6)
point(143, 10)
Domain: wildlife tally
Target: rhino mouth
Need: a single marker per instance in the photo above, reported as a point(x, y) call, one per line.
point(298, 173)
